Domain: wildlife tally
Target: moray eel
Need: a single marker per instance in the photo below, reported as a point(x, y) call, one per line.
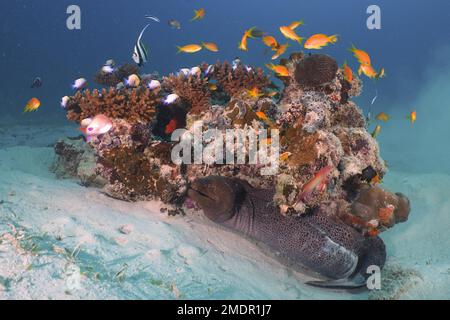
point(312, 242)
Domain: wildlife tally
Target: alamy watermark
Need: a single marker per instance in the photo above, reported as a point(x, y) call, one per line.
point(232, 146)
point(73, 22)
point(373, 282)
point(374, 19)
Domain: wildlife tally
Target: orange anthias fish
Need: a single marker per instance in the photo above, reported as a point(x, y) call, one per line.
point(171, 127)
point(318, 41)
point(261, 115)
point(280, 70)
point(382, 116)
point(284, 156)
point(319, 182)
point(210, 46)
point(294, 25)
point(32, 105)
point(270, 42)
point(250, 33)
point(255, 93)
point(412, 117)
point(368, 70)
point(362, 56)
point(348, 73)
point(281, 50)
point(290, 34)
point(190, 48)
point(199, 14)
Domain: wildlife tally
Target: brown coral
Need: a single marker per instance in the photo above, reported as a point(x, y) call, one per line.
point(114, 78)
point(316, 70)
point(192, 89)
point(304, 150)
point(134, 105)
point(234, 82)
point(132, 176)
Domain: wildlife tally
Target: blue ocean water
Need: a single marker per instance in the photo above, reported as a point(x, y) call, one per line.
point(413, 46)
point(35, 41)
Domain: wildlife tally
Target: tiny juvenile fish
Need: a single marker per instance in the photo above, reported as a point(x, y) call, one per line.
point(412, 117)
point(376, 132)
point(190, 48)
point(37, 83)
point(382, 116)
point(32, 105)
point(175, 24)
point(199, 14)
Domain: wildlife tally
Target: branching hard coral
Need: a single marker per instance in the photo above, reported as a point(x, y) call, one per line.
point(192, 90)
point(133, 105)
point(234, 81)
point(111, 79)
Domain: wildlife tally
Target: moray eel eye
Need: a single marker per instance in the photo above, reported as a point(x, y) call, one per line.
point(215, 196)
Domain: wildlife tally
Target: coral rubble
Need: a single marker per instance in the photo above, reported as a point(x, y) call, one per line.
point(319, 127)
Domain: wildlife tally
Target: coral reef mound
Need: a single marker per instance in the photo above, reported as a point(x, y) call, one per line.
point(320, 129)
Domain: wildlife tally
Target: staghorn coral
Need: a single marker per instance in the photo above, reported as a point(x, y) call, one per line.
point(133, 105)
point(192, 89)
point(114, 78)
point(234, 81)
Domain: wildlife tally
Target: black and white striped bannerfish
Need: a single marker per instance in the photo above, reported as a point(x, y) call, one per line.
point(140, 54)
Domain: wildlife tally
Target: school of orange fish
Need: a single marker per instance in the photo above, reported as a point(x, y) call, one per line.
point(314, 42)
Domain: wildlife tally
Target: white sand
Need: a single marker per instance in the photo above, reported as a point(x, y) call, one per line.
point(50, 230)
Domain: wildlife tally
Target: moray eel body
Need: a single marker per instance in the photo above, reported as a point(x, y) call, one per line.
point(335, 251)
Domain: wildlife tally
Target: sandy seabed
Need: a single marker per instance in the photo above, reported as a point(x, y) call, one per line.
point(60, 240)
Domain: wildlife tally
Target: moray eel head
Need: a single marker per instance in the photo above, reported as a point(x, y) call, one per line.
point(216, 196)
